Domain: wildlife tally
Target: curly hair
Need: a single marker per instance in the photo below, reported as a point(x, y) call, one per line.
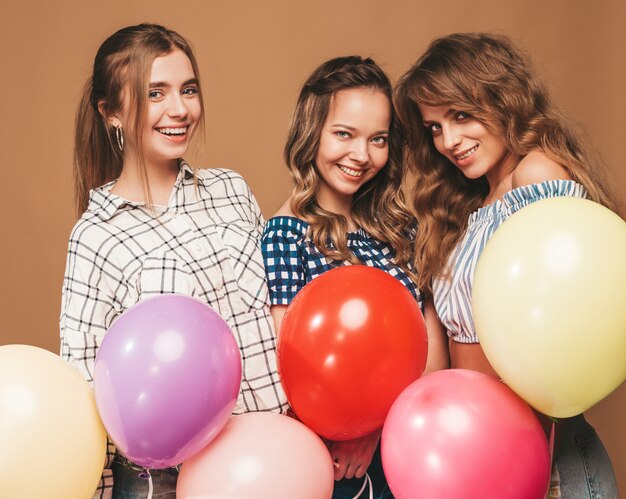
point(378, 206)
point(486, 76)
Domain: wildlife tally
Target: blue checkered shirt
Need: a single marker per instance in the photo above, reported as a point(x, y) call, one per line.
point(292, 260)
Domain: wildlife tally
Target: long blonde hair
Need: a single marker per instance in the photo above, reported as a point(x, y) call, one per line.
point(486, 76)
point(123, 62)
point(378, 206)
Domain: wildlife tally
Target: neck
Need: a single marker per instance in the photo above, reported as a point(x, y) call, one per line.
point(499, 178)
point(160, 180)
point(336, 203)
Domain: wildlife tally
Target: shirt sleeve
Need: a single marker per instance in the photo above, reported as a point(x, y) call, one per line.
point(523, 196)
point(88, 306)
point(87, 309)
point(258, 220)
point(284, 266)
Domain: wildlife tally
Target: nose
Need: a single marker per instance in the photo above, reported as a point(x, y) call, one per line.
point(451, 137)
point(358, 151)
point(177, 107)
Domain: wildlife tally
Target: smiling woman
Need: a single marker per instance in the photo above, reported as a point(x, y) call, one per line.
point(353, 146)
point(484, 144)
point(173, 112)
point(344, 154)
point(467, 143)
point(151, 224)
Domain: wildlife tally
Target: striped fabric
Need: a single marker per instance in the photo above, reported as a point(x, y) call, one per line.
point(453, 296)
point(205, 243)
point(291, 259)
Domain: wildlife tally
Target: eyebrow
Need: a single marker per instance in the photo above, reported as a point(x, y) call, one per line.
point(446, 114)
point(351, 128)
point(191, 81)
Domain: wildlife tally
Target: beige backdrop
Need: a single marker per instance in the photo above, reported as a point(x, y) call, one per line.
point(253, 58)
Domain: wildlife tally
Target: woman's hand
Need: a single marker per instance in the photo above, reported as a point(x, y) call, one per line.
point(352, 457)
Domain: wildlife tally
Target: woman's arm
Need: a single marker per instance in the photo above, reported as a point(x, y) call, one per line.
point(87, 309)
point(284, 274)
point(438, 355)
point(278, 311)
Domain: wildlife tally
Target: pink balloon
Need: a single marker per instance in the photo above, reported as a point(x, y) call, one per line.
point(167, 376)
point(259, 455)
point(462, 434)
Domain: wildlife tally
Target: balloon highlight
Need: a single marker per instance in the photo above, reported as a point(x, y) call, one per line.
point(167, 377)
point(52, 442)
point(548, 302)
point(459, 433)
point(350, 342)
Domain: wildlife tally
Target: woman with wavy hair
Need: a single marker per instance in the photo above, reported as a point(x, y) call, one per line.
point(344, 154)
point(483, 141)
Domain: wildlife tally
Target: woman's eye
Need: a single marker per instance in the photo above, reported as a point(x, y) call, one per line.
point(342, 134)
point(462, 115)
point(190, 91)
point(155, 94)
point(380, 140)
point(434, 128)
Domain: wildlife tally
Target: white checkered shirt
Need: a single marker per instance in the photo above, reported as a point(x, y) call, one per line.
point(205, 243)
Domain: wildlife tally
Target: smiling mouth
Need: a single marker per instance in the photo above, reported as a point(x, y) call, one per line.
point(466, 154)
point(173, 132)
point(350, 171)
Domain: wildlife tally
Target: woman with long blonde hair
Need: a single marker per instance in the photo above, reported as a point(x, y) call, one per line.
point(483, 141)
point(344, 154)
point(151, 224)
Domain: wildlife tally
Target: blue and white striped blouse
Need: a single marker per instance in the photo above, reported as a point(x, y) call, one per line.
point(292, 260)
point(453, 296)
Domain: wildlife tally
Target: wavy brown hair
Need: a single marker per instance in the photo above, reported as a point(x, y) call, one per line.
point(378, 206)
point(486, 76)
point(122, 64)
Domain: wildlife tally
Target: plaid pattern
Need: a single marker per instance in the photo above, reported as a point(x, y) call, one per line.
point(292, 260)
point(205, 243)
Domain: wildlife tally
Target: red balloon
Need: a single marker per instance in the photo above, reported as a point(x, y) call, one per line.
point(459, 433)
point(350, 342)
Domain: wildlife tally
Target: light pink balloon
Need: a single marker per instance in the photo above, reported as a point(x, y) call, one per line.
point(462, 434)
point(259, 455)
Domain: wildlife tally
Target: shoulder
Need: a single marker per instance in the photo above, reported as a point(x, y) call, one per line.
point(285, 210)
point(537, 167)
point(90, 230)
point(93, 247)
point(286, 230)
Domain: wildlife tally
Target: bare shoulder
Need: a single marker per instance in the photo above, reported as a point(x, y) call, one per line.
point(536, 167)
point(284, 210)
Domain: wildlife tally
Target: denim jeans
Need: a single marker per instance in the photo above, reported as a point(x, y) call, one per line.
point(127, 483)
point(581, 462)
point(349, 487)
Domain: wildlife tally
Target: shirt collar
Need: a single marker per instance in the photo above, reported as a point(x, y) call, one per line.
point(186, 169)
point(105, 205)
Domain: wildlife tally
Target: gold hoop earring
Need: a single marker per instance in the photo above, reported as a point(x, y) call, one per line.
point(119, 138)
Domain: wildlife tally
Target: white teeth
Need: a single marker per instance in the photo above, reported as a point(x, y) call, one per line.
point(350, 171)
point(172, 131)
point(467, 154)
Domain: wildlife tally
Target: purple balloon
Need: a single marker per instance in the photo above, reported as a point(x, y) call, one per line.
point(167, 376)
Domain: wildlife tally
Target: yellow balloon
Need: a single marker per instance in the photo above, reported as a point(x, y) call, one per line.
point(549, 303)
point(52, 443)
